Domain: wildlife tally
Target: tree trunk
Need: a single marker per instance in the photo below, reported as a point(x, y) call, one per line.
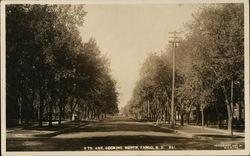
point(51, 111)
point(169, 116)
point(182, 119)
point(60, 111)
point(175, 114)
point(60, 116)
point(72, 108)
point(29, 106)
point(165, 113)
point(178, 115)
point(41, 103)
point(230, 120)
point(217, 116)
point(240, 111)
point(148, 111)
point(202, 117)
point(20, 121)
point(78, 112)
point(197, 115)
point(229, 109)
point(87, 113)
point(230, 117)
point(188, 117)
point(71, 114)
point(50, 115)
point(93, 115)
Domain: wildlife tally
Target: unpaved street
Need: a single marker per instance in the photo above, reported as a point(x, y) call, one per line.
point(119, 132)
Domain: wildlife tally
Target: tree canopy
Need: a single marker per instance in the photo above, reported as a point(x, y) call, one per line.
point(209, 68)
point(51, 73)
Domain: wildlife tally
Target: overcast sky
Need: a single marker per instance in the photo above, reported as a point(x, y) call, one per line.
point(127, 33)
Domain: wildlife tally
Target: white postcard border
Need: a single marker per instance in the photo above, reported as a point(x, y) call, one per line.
point(246, 151)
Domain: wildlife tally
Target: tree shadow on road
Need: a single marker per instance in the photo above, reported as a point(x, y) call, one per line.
point(119, 127)
point(68, 144)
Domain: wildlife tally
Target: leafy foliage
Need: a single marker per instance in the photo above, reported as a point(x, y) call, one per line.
point(209, 68)
point(50, 68)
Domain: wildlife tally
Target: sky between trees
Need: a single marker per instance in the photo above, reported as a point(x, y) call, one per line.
point(127, 33)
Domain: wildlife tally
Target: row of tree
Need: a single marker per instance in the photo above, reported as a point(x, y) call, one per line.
point(50, 73)
point(209, 71)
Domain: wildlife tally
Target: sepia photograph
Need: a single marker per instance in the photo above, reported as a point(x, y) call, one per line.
point(125, 78)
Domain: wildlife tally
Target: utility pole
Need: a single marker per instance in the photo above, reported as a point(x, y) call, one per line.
point(174, 41)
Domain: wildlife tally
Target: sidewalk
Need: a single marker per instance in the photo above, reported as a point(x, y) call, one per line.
point(242, 134)
point(45, 131)
point(204, 133)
